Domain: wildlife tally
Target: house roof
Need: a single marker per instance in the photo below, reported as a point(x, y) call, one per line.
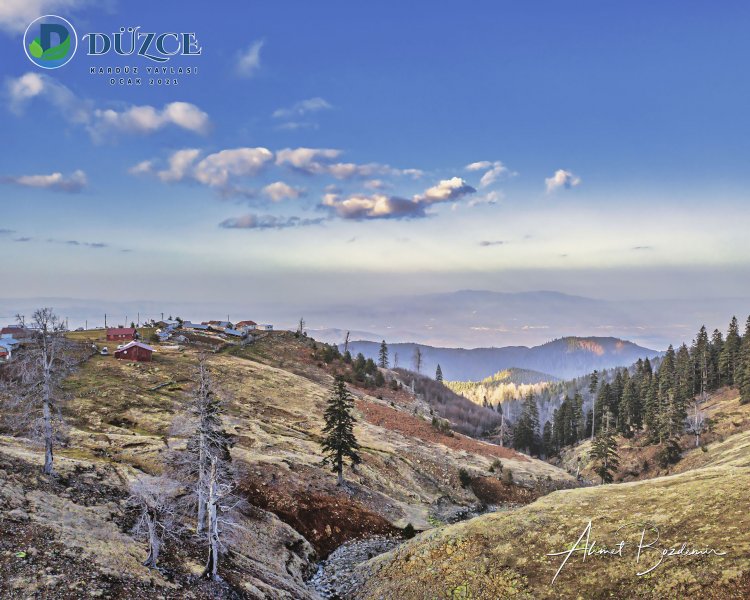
point(234, 332)
point(120, 331)
point(244, 323)
point(189, 325)
point(134, 344)
point(8, 342)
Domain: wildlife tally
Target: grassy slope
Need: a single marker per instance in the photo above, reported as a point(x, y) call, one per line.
point(120, 416)
point(504, 555)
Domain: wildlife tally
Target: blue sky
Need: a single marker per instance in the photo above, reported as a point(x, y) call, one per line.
point(355, 150)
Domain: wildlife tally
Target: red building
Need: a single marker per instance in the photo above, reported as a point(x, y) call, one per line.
point(120, 333)
point(135, 351)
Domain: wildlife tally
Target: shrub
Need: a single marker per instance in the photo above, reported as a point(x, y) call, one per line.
point(669, 454)
point(464, 478)
point(408, 532)
point(496, 466)
point(508, 476)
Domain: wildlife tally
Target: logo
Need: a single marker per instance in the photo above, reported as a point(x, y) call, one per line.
point(50, 42)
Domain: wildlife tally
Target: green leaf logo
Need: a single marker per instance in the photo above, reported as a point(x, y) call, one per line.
point(54, 53)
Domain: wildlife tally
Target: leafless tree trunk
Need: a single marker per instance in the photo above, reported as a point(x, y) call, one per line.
point(33, 391)
point(154, 497)
point(417, 359)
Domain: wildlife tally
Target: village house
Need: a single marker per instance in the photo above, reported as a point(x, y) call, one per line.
point(235, 333)
point(7, 346)
point(137, 351)
point(246, 325)
point(194, 326)
point(117, 334)
point(266, 327)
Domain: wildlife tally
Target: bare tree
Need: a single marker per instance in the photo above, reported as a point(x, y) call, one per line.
point(395, 360)
point(697, 423)
point(220, 503)
point(155, 499)
point(417, 359)
point(205, 466)
point(33, 391)
point(346, 343)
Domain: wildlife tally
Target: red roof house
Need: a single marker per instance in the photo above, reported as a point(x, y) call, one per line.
point(246, 324)
point(135, 351)
point(120, 333)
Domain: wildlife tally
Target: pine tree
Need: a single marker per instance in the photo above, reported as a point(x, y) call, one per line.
point(439, 374)
point(339, 442)
point(744, 366)
point(730, 355)
point(383, 355)
point(604, 452)
point(593, 385)
point(526, 434)
point(547, 448)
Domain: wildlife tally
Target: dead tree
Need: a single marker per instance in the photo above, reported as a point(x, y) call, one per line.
point(155, 499)
point(697, 423)
point(417, 359)
point(33, 392)
point(220, 504)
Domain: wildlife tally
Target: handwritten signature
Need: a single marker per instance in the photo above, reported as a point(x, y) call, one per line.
point(648, 552)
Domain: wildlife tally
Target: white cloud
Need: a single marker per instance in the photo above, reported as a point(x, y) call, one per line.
point(561, 179)
point(376, 206)
point(54, 181)
point(494, 171)
point(279, 190)
point(15, 15)
point(248, 62)
point(322, 161)
point(216, 169)
point(97, 121)
point(147, 119)
point(302, 108)
point(180, 164)
point(445, 191)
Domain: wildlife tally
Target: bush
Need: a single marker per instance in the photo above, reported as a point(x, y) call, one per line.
point(496, 466)
point(441, 425)
point(464, 478)
point(394, 385)
point(669, 454)
point(408, 532)
point(508, 476)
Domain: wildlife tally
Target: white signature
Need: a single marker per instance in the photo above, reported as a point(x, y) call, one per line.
point(647, 553)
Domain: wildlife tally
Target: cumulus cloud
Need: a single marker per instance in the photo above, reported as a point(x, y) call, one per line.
point(54, 181)
point(561, 179)
point(99, 122)
point(302, 108)
point(494, 170)
point(376, 206)
point(147, 119)
point(324, 161)
point(382, 206)
point(252, 221)
point(447, 190)
point(214, 170)
point(248, 61)
point(279, 190)
point(491, 198)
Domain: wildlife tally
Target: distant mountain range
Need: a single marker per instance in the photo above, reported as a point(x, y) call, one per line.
point(563, 358)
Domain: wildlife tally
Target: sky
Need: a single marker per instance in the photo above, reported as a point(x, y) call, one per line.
point(335, 153)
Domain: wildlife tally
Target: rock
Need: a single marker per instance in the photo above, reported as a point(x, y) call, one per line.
point(18, 514)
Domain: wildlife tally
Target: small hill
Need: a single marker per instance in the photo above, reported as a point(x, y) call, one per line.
point(703, 509)
point(563, 358)
point(504, 385)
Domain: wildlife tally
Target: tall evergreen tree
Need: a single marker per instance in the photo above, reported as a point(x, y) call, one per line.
point(730, 355)
point(593, 385)
point(744, 366)
point(383, 355)
point(604, 452)
point(439, 374)
point(339, 442)
point(526, 435)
